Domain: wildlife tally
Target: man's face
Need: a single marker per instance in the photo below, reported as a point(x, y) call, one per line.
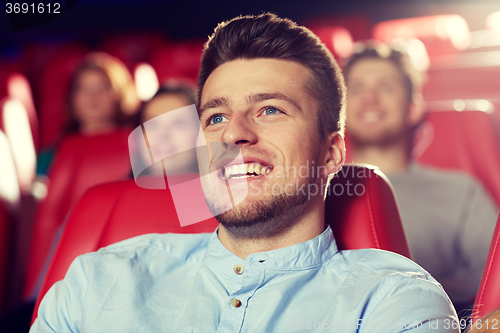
point(377, 103)
point(172, 135)
point(262, 106)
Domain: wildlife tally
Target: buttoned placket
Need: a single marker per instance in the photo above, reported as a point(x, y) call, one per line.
point(246, 279)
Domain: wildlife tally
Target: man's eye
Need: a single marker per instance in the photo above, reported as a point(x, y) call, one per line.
point(217, 119)
point(271, 110)
point(387, 88)
point(355, 90)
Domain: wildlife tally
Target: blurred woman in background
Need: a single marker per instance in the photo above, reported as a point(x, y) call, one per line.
point(101, 98)
point(100, 103)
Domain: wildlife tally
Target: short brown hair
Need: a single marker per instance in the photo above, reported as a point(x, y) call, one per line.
point(268, 36)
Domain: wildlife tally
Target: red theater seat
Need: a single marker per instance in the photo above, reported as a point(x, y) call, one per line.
point(464, 141)
point(361, 210)
point(179, 61)
point(5, 236)
point(464, 76)
point(441, 34)
point(132, 48)
point(81, 162)
point(488, 296)
point(53, 85)
point(337, 39)
point(359, 25)
point(10, 199)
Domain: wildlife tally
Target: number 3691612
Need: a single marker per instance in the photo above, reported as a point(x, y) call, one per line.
point(33, 8)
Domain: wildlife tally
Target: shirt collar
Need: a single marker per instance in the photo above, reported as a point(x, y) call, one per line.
point(300, 256)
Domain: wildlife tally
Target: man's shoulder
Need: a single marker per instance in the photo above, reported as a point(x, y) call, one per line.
point(440, 176)
point(184, 247)
point(380, 278)
point(375, 263)
point(435, 183)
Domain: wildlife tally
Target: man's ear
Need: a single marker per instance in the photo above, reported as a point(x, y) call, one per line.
point(417, 110)
point(335, 155)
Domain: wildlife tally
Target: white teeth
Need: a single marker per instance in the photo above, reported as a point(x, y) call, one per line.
point(240, 170)
point(257, 169)
point(371, 116)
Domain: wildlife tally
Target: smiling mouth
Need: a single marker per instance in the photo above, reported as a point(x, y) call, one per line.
point(371, 116)
point(246, 170)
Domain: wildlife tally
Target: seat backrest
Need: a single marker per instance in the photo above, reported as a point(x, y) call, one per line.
point(358, 24)
point(488, 295)
point(5, 236)
point(52, 89)
point(361, 209)
point(80, 163)
point(179, 61)
point(434, 31)
point(337, 39)
point(10, 199)
point(132, 48)
point(464, 141)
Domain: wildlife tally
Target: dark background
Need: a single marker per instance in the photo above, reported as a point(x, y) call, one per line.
point(194, 19)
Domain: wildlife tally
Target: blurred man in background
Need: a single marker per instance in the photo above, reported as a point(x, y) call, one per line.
point(447, 216)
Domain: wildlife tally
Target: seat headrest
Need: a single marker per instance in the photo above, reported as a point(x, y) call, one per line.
point(488, 295)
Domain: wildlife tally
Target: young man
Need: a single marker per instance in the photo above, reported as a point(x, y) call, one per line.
point(272, 89)
point(448, 218)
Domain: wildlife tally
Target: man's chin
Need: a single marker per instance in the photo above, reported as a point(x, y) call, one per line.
point(270, 217)
point(382, 139)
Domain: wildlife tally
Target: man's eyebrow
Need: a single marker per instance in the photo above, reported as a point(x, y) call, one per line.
point(214, 103)
point(254, 98)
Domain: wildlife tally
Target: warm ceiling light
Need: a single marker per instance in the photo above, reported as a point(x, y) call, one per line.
point(418, 54)
point(342, 42)
point(146, 81)
point(9, 186)
point(493, 21)
point(18, 130)
point(337, 39)
point(453, 28)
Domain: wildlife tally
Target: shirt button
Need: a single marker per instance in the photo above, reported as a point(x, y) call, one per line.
point(236, 303)
point(238, 269)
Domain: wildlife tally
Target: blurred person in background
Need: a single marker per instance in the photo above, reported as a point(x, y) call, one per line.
point(448, 217)
point(173, 134)
point(101, 98)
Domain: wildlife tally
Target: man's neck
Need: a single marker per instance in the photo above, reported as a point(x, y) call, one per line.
point(310, 226)
point(389, 159)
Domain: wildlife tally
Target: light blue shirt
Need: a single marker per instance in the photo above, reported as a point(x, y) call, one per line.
point(190, 283)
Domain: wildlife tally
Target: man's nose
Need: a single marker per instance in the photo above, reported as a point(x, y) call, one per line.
point(370, 96)
point(239, 130)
